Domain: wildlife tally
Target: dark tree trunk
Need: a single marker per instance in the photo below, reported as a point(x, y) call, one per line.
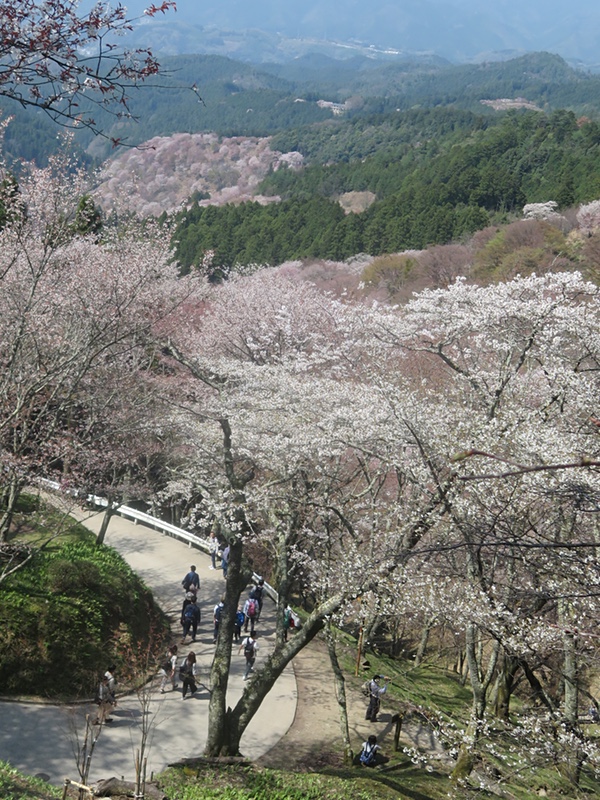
point(226, 726)
point(505, 684)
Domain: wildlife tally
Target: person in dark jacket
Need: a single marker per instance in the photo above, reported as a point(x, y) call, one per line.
point(190, 619)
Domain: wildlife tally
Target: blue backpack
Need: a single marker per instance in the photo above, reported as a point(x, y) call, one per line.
point(367, 757)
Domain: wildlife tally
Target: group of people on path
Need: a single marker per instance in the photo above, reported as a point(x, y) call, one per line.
point(247, 616)
point(186, 672)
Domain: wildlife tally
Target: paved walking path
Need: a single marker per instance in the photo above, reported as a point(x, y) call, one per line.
point(40, 739)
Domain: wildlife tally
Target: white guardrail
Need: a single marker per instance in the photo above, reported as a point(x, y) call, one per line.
point(158, 524)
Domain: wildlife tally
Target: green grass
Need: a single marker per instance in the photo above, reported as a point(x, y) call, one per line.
point(14, 786)
point(71, 610)
point(250, 783)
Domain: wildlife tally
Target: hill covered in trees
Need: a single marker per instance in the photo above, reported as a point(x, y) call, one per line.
point(240, 99)
point(438, 176)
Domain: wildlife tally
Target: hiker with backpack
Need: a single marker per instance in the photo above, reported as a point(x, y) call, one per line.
point(191, 582)
point(169, 669)
point(240, 618)
point(369, 756)
point(217, 613)
point(104, 701)
point(190, 619)
point(187, 674)
point(251, 611)
point(250, 648)
point(258, 593)
point(375, 691)
point(111, 684)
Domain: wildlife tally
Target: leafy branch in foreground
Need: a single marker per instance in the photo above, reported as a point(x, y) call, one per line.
point(55, 59)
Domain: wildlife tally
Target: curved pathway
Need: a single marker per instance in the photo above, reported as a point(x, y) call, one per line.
point(41, 738)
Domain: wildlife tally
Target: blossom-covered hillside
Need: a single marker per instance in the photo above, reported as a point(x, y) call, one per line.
point(162, 174)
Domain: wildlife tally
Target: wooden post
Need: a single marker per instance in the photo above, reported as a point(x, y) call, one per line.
point(398, 719)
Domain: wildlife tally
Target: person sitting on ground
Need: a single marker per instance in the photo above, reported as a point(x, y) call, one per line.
point(191, 580)
point(191, 619)
point(187, 672)
point(169, 669)
point(370, 755)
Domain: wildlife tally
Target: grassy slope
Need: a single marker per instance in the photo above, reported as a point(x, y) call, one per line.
point(70, 611)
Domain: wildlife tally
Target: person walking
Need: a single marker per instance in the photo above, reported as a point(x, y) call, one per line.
point(240, 618)
point(213, 549)
point(217, 613)
point(258, 593)
point(287, 622)
point(250, 614)
point(250, 648)
point(187, 672)
point(111, 683)
point(104, 701)
point(376, 691)
point(225, 561)
point(191, 580)
point(169, 669)
point(189, 596)
point(190, 619)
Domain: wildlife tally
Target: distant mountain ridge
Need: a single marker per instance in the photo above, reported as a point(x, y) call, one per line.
point(459, 30)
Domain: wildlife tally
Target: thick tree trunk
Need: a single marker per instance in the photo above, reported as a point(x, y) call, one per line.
point(504, 685)
point(218, 713)
point(423, 643)
point(340, 693)
point(479, 686)
point(226, 726)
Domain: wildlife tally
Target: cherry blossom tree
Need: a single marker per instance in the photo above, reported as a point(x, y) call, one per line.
point(64, 62)
point(510, 367)
point(289, 452)
point(75, 315)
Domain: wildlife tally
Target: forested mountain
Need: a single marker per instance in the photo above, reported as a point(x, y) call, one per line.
point(456, 29)
point(239, 99)
point(243, 100)
point(445, 175)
